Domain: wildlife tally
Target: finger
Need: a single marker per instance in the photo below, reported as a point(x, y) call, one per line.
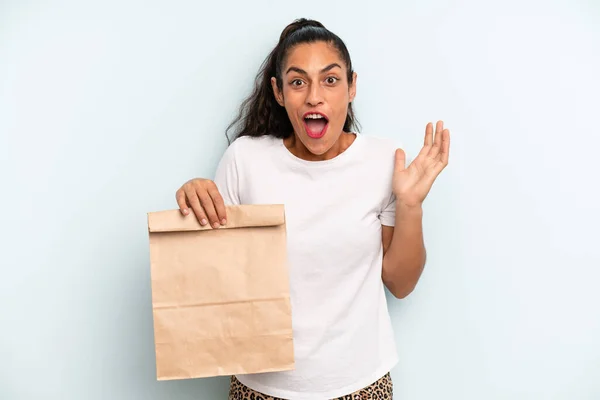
point(445, 152)
point(428, 134)
point(181, 202)
point(442, 160)
point(219, 204)
point(209, 207)
point(194, 201)
point(423, 152)
point(400, 161)
point(437, 142)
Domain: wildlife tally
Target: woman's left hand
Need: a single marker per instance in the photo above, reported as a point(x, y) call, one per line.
point(412, 184)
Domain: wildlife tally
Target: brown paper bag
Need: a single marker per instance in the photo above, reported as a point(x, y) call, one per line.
point(220, 297)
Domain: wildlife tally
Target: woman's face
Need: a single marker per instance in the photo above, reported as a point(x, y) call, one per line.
point(315, 94)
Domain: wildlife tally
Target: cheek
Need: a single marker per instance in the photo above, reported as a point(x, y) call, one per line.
point(292, 104)
point(341, 111)
point(292, 112)
point(340, 100)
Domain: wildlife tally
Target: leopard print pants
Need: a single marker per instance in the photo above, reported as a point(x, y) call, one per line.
point(382, 389)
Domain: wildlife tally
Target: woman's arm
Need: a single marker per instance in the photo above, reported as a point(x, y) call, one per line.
point(404, 252)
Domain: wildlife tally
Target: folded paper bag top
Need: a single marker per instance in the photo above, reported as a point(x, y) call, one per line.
point(220, 296)
point(251, 215)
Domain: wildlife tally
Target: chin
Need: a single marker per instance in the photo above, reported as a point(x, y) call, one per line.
point(316, 146)
point(318, 150)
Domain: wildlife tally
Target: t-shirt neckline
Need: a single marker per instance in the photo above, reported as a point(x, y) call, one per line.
point(315, 164)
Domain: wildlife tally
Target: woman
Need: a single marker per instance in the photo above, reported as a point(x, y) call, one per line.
point(343, 194)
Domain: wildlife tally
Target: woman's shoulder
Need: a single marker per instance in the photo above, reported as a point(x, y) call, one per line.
point(245, 147)
point(379, 144)
point(252, 144)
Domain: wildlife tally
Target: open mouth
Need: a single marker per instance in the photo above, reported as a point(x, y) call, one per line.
point(316, 124)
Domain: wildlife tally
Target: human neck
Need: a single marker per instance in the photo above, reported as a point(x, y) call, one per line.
point(297, 148)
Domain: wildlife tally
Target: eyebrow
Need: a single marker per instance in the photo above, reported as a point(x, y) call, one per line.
point(303, 72)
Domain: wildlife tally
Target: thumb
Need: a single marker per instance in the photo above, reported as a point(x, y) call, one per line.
point(400, 163)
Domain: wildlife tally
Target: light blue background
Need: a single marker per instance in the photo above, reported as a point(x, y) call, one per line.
point(107, 107)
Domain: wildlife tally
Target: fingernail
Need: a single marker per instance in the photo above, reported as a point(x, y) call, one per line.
point(223, 221)
point(203, 222)
point(216, 224)
point(185, 211)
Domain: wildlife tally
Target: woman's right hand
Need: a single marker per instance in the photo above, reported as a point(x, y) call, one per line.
point(203, 197)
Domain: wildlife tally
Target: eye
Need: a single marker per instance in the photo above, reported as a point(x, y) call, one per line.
point(296, 82)
point(331, 80)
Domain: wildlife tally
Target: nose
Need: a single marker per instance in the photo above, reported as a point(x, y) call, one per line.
point(314, 96)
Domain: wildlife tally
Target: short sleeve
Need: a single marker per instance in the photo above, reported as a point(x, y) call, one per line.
point(388, 214)
point(227, 178)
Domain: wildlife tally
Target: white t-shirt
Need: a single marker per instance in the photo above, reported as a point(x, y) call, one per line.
point(343, 337)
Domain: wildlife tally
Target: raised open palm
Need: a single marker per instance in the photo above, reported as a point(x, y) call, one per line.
point(412, 184)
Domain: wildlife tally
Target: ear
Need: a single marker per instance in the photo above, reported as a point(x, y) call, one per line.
point(277, 92)
point(352, 88)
